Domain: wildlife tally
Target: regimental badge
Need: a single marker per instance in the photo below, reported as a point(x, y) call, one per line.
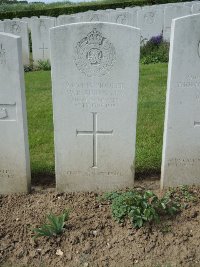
point(94, 54)
point(15, 28)
point(2, 55)
point(122, 19)
point(149, 17)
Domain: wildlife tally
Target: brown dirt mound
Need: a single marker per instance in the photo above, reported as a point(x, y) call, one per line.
point(91, 237)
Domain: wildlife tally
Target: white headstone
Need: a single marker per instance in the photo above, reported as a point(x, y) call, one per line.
point(93, 16)
point(95, 88)
point(20, 28)
point(14, 156)
point(123, 17)
point(196, 8)
point(172, 12)
point(67, 19)
point(150, 21)
point(181, 148)
point(40, 38)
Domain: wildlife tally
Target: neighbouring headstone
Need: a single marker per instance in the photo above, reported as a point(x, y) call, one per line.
point(40, 38)
point(92, 16)
point(14, 156)
point(150, 21)
point(95, 89)
point(172, 12)
point(196, 8)
point(20, 28)
point(123, 17)
point(181, 148)
point(67, 19)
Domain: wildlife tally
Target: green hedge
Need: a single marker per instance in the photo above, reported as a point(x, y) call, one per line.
point(55, 12)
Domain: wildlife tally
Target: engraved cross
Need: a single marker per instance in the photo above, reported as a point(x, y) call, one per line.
point(95, 134)
point(43, 48)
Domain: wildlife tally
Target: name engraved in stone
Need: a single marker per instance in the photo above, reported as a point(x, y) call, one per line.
point(183, 162)
point(8, 112)
point(92, 172)
point(105, 95)
point(190, 81)
point(6, 174)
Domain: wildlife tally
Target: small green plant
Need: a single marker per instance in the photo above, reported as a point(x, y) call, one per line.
point(44, 65)
point(186, 193)
point(156, 50)
point(54, 227)
point(141, 207)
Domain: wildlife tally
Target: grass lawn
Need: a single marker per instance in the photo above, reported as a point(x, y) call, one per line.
point(152, 88)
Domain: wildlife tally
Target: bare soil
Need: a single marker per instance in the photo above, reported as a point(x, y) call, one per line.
point(91, 236)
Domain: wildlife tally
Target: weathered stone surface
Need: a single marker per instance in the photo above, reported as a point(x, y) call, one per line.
point(14, 156)
point(123, 17)
point(181, 148)
point(67, 19)
point(95, 88)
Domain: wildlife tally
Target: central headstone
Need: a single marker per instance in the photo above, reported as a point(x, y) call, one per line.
point(95, 88)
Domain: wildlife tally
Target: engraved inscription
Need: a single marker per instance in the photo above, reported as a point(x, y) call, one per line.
point(2, 55)
point(183, 162)
point(191, 81)
point(95, 133)
point(122, 19)
point(6, 174)
point(15, 28)
point(105, 95)
point(149, 18)
point(3, 113)
point(92, 172)
point(94, 55)
point(8, 112)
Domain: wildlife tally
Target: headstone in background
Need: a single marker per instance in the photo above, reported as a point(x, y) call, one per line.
point(95, 89)
point(20, 28)
point(92, 16)
point(40, 38)
point(123, 17)
point(150, 22)
point(196, 8)
point(14, 156)
point(181, 148)
point(172, 12)
point(67, 19)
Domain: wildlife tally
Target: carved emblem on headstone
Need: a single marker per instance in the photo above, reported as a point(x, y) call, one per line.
point(3, 113)
point(15, 28)
point(95, 17)
point(122, 19)
point(149, 17)
point(2, 55)
point(42, 26)
point(94, 54)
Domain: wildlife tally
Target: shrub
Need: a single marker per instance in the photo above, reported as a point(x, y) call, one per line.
point(141, 207)
point(43, 65)
point(156, 50)
point(55, 226)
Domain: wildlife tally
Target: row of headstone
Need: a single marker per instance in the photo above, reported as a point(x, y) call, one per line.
point(95, 90)
point(152, 20)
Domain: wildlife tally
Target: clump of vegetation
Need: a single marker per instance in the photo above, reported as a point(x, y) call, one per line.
point(141, 207)
point(44, 65)
point(156, 50)
point(54, 227)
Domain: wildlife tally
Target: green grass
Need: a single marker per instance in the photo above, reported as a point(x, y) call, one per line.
point(151, 106)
